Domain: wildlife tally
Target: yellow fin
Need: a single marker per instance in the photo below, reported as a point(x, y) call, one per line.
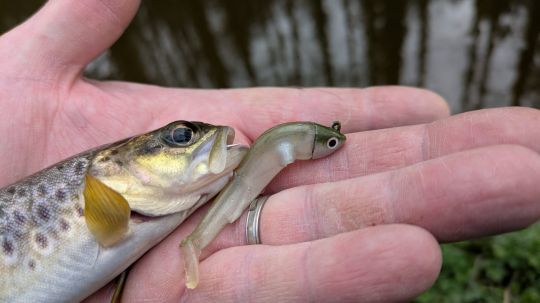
point(106, 212)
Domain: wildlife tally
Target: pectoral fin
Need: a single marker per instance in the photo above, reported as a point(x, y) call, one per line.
point(106, 212)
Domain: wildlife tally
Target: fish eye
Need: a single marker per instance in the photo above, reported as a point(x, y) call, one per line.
point(179, 136)
point(332, 143)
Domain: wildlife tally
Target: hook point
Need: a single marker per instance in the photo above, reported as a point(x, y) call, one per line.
point(336, 125)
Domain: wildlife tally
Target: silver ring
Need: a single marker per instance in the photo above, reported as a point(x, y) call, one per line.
point(253, 218)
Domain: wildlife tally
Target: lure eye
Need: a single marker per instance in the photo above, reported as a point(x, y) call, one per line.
point(179, 136)
point(332, 143)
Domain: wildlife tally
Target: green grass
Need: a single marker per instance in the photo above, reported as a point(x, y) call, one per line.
point(505, 269)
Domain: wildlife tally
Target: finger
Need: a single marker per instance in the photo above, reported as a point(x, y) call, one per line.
point(255, 110)
point(69, 34)
point(464, 195)
point(382, 150)
point(356, 109)
point(380, 264)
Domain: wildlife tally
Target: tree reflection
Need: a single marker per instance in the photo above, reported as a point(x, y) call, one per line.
point(526, 58)
point(424, 36)
point(233, 43)
point(490, 12)
point(385, 32)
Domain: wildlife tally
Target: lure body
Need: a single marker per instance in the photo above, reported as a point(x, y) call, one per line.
point(272, 151)
point(60, 241)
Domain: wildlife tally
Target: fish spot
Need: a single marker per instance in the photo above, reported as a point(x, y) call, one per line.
point(8, 247)
point(42, 240)
point(11, 190)
point(119, 163)
point(41, 212)
point(79, 210)
point(60, 167)
point(42, 190)
point(22, 192)
point(114, 152)
point(104, 159)
point(18, 217)
point(64, 225)
point(79, 167)
point(60, 195)
point(32, 264)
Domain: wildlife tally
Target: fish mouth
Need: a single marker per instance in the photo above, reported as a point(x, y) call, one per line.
point(235, 151)
point(221, 155)
point(224, 155)
point(235, 155)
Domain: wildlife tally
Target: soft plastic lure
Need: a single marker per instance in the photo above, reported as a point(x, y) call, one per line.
point(271, 152)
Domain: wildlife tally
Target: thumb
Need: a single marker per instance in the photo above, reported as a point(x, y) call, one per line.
point(67, 33)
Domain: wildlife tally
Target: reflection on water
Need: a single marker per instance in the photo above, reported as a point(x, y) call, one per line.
point(476, 53)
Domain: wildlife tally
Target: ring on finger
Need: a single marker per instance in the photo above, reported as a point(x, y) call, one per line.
point(253, 220)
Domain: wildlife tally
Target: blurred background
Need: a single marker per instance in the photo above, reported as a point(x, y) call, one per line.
point(475, 53)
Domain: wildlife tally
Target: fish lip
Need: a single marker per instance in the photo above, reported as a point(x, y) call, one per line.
point(230, 140)
point(232, 150)
point(235, 155)
point(233, 161)
point(239, 149)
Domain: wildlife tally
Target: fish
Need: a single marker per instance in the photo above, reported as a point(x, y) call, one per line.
point(271, 152)
point(69, 229)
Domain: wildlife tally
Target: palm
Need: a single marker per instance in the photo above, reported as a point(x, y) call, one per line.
point(62, 119)
point(397, 175)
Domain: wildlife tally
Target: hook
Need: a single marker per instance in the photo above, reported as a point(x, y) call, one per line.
point(336, 125)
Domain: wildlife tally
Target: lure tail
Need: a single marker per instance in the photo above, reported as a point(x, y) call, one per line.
point(191, 253)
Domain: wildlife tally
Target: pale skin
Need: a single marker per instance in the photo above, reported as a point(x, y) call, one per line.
point(363, 224)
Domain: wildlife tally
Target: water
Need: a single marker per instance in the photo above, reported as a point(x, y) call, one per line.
point(475, 53)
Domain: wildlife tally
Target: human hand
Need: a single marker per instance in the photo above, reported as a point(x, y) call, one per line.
point(50, 112)
point(462, 177)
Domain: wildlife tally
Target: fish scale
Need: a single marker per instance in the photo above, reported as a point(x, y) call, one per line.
point(52, 225)
point(38, 211)
point(39, 215)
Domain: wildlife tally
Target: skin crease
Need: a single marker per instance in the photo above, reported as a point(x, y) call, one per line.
point(460, 177)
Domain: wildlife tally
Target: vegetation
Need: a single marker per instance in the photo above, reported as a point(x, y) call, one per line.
point(498, 269)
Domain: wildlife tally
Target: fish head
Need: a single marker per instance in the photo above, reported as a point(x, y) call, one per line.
point(182, 153)
point(170, 169)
